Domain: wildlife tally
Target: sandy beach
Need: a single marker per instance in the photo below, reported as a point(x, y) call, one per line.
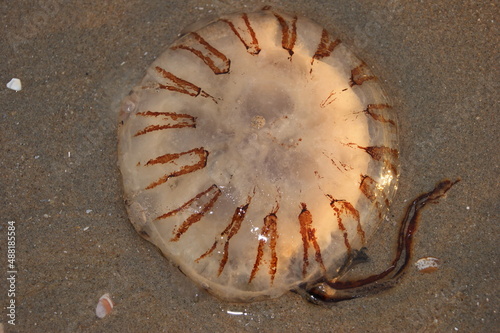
point(61, 187)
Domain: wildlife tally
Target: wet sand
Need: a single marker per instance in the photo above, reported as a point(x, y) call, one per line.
point(60, 184)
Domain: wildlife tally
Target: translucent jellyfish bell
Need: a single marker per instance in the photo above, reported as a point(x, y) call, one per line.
point(258, 153)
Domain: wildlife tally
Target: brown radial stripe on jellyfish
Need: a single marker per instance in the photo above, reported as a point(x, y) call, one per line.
point(360, 74)
point(251, 46)
point(212, 57)
point(371, 110)
point(193, 218)
point(309, 236)
point(180, 85)
point(182, 120)
point(325, 47)
point(231, 230)
point(343, 207)
point(288, 34)
point(329, 100)
point(201, 153)
point(379, 153)
point(190, 202)
point(345, 167)
point(269, 232)
point(368, 187)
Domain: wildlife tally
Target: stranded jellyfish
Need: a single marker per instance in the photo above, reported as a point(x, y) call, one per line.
point(259, 154)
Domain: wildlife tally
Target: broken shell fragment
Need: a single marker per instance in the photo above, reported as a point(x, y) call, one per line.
point(14, 84)
point(427, 264)
point(104, 306)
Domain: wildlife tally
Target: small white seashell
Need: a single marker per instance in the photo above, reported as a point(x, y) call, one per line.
point(427, 264)
point(104, 306)
point(14, 84)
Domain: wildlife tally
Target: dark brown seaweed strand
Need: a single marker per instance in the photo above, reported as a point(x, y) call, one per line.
point(325, 46)
point(200, 152)
point(269, 231)
point(309, 236)
point(184, 120)
point(192, 219)
point(190, 202)
point(251, 46)
point(407, 230)
point(371, 108)
point(231, 230)
point(209, 57)
point(359, 75)
point(288, 38)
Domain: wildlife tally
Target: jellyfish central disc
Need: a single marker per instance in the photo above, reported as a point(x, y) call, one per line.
point(263, 134)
